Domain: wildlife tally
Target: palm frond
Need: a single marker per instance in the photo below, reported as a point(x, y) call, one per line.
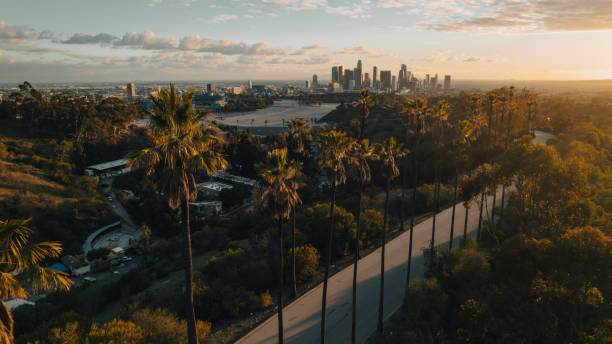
point(40, 279)
point(10, 287)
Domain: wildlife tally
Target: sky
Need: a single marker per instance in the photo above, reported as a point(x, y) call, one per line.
point(123, 40)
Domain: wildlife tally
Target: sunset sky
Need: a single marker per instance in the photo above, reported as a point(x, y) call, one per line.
point(70, 40)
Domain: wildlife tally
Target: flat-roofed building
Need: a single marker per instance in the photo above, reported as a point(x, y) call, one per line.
point(108, 169)
point(213, 188)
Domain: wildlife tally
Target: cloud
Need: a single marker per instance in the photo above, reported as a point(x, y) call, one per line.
point(314, 47)
point(359, 50)
point(298, 5)
point(81, 38)
point(20, 34)
point(308, 49)
point(227, 47)
point(145, 40)
point(535, 16)
point(221, 18)
point(439, 56)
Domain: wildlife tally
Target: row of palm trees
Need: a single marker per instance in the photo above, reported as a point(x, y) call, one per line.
point(182, 147)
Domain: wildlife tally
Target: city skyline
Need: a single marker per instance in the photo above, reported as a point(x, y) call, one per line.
point(278, 39)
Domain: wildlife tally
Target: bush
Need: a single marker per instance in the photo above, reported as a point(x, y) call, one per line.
point(371, 225)
point(162, 327)
point(316, 225)
point(116, 331)
point(306, 262)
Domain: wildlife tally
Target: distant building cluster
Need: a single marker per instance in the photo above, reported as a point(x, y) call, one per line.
point(343, 80)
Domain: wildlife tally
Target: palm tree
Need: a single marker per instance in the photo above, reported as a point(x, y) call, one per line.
point(361, 153)
point(492, 98)
point(145, 239)
point(182, 146)
point(365, 100)
point(414, 114)
point(334, 147)
point(438, 120)
point(299, 131)
point(389, 152)
point(20, 273)
point(278, 192)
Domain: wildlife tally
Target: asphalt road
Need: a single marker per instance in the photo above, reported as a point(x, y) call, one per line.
point(303, 316)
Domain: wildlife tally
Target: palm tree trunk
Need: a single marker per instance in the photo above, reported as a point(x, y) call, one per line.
point(433, 225)
point(465, 221)
point(482, 199)
point(280, 281)
point(329, 257)
point(494, 201)
point(503, 199)
point(188, 261)
point(452, 229)
point(355, 261)
point(6, 324)
point(381, 301)
point(293, 255)
point(403, 199)
point(412, 215)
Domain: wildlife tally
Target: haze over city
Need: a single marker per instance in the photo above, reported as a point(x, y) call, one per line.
point(293, 39)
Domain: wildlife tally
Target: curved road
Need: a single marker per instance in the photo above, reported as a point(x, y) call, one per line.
point(303, 316)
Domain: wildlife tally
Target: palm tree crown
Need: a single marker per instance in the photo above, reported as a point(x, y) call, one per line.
point(299, 131)
point(278, 190)
point(20, 273)
point(182, 146)
point(335, 147)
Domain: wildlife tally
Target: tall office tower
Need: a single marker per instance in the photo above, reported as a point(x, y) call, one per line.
point(250, 83)
point(374, 76)
point(366, 80)
point(358, 74)
point(447, 80)
point(426, 81)
point(393, 83)
point(351, 85)
point(334, 77)
point(315, 80)
point(348, 76)
point(210, 88)
point(435, 81)
point(307, 84)
point(340, 75)
point(131, 90)
point(385, 78)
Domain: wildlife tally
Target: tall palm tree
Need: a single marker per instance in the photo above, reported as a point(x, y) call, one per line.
point(20, 273)
point(299, 131)
point(365, 100)
point(361, 153)
point(389, 153)
point(492, 99)
point(182, 146)
point(414, 114)
point(334, 148)
point(470, 130)
point(438, 119)
point(278, 192)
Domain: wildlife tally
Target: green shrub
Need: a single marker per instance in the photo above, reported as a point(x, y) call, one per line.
point(162, 327)
point(306, 262)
